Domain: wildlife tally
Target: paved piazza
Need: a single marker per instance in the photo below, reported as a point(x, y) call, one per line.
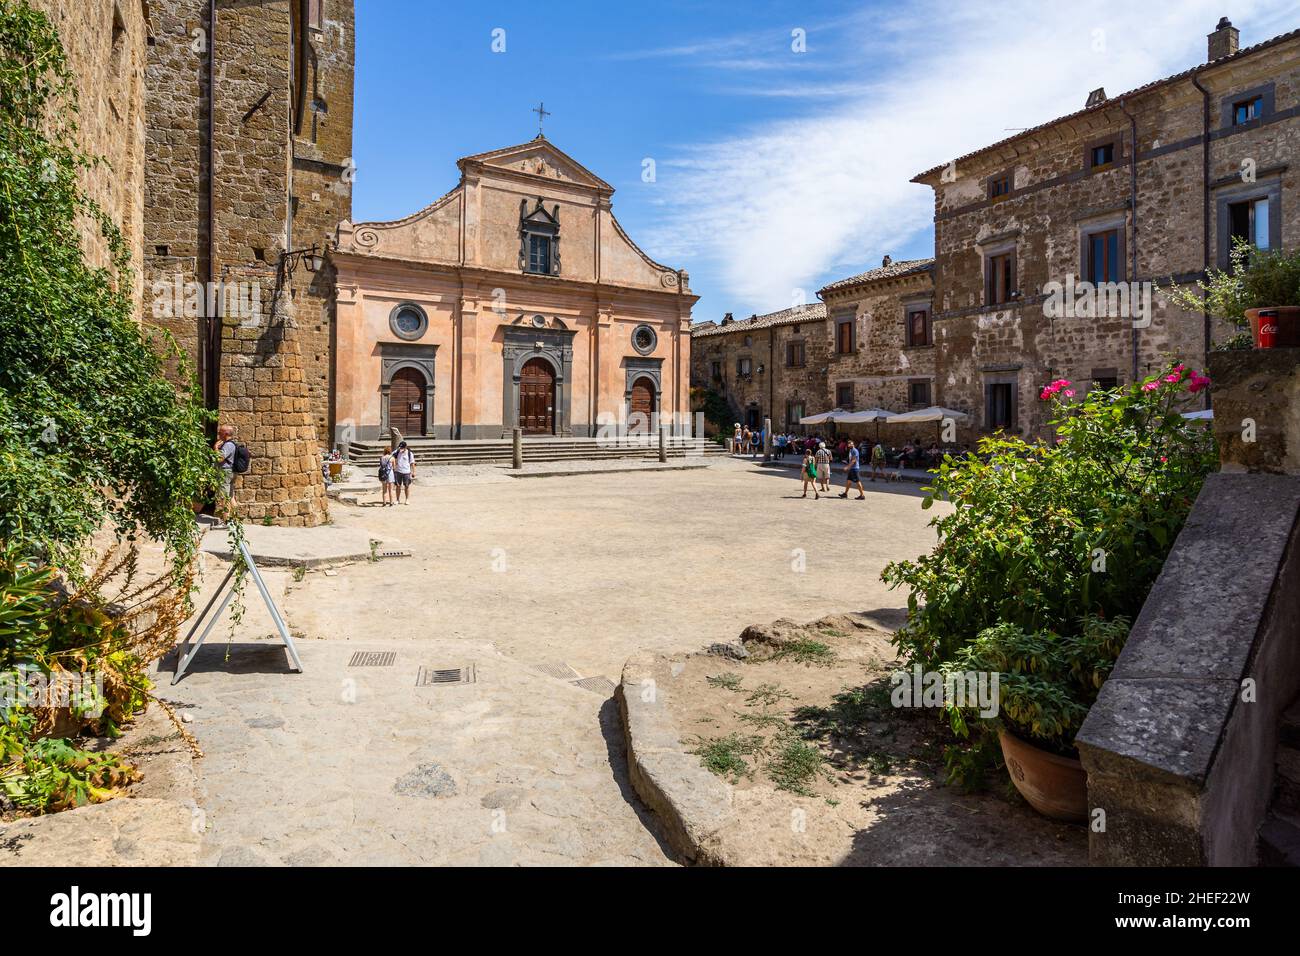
point(534, 584)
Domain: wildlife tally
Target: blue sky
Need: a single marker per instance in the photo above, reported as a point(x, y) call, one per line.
point(777, 169)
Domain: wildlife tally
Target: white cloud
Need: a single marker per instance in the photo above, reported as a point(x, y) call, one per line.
point(793, 202)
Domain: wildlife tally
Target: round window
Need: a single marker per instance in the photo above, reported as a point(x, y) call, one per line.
point(408, 321)
point(644, 339)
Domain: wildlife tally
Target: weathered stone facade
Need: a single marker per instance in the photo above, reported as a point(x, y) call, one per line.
point(890, 357)
point(221, 214)
point(106, 42)
point(1045, 196)
point(767, 366)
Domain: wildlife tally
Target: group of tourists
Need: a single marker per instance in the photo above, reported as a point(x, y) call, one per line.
point(746, 441)
point(815, 469)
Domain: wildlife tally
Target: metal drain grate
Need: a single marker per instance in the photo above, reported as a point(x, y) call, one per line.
point(556, 669)
point(392, 554)
point(373, 659)
point(597, 685)
point(437, 676)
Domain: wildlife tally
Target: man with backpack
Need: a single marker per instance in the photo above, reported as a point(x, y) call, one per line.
point(403, 472)
point(234, 460)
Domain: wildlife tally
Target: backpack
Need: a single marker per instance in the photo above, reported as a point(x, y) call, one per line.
point(240, 463)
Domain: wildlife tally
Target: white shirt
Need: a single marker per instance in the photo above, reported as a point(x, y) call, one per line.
point(403, 460)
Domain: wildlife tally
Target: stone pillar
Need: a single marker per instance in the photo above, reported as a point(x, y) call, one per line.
point(518, 455)
point(264, 396)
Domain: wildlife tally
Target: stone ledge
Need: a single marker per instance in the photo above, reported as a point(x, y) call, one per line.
point(691, 803)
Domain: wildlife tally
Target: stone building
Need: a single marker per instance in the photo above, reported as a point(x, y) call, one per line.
point(514, 299)
point(1145, 187)
point(106, 43)
point(767, 366)
point(249, 122)
point(882, 337)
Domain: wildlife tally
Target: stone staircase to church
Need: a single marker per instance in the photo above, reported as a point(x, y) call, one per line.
point(429, 451)
point(1279, 835)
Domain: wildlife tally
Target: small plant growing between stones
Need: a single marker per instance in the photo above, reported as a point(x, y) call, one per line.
point(726, 681)
point(725, 756)
point(807, 651)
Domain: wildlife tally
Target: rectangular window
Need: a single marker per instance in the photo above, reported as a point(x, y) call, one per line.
point(918, 393)
point(1105, 378)
point(844, 337)
point(1246, 110)
point(1248, 220)
point(744, 366)
point(1101, 155)
point(1102, 262)
point(1000, 280)
point(316, 14)
point(1000, 186)
point(918, 328)
point(539, 254)
point(844, 395)
point(716, 370)
point(793, 412)
point(999, 411)
point(794, 357)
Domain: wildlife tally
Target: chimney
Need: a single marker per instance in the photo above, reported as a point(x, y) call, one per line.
point(886, 262)
point(1224, 40)
point(1096, 98)
point(728, 319)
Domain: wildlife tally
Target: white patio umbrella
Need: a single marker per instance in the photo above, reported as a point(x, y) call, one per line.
point(822, 418)
point(876, 415)
point(935, 413)
point(1205, 414)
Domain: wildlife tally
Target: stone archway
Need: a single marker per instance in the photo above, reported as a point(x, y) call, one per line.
point(409, 368)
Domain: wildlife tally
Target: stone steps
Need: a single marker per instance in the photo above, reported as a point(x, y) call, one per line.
point(430, 452)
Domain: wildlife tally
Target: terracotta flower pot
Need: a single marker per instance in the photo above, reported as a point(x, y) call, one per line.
point(1056, 787)
point(1275, 328)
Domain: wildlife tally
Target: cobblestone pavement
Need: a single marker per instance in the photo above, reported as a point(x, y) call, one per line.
point(536, 584)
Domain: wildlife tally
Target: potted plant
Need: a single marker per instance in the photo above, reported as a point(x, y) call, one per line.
point(1046, 683)
point(1260, 290)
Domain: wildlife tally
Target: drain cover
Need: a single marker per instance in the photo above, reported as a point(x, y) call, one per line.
point(430, 676)
point(556, 669)
point(392, 554)
point(373, 659)
point(597, 685)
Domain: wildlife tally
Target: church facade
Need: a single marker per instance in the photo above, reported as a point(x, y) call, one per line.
point(515, 299)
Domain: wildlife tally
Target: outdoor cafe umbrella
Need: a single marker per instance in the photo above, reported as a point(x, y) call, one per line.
point(1205, 414)
point(935, 413)
point(823, 417)
point(876, 415)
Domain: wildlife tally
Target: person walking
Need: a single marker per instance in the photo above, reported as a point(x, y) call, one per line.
point(735, 440)
point(809, 472)
point(755, 441)
point(823, 458)
point(403, 472)
point(877, 461)
point(386, 486)
point(225, 446)
point(853, 476)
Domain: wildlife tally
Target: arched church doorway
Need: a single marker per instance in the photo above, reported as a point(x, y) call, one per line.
point(406, 401)
point(537, 397)
point(641, 407)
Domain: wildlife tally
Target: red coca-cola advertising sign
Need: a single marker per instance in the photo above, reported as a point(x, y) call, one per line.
point(1277, 328)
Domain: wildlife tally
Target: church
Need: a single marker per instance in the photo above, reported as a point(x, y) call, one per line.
point(514, 300)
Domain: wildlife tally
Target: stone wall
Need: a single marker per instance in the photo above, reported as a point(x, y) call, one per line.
point(106, 43)
point(1180, 746)
point(260, 54)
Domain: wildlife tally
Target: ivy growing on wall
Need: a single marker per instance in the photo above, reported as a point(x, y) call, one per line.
point(90, 429)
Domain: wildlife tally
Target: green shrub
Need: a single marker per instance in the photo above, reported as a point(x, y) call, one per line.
point(1045, 534)
point(1254, 279)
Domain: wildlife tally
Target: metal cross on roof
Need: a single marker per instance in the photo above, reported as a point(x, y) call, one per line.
point(542, 112)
